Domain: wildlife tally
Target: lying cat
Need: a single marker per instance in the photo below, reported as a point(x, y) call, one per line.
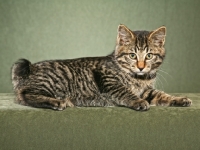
point(124, 78)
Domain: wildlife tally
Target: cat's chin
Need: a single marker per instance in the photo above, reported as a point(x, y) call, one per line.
point(140, 73)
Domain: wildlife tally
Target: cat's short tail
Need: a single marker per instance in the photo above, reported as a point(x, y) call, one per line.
point(20, 70)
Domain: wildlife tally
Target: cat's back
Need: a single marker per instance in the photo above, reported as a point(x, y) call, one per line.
point(73, 65)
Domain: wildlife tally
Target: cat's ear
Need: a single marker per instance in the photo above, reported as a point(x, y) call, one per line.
point(125, 35)
point(157, 37)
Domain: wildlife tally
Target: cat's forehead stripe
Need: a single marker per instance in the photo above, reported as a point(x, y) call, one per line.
point(141, 39)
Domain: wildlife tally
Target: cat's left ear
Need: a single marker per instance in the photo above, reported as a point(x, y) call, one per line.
point(157, 37)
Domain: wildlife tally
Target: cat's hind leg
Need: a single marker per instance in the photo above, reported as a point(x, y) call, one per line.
point(41, 101)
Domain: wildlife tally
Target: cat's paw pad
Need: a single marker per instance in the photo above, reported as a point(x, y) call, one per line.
point(140, 105)
point(182, 101)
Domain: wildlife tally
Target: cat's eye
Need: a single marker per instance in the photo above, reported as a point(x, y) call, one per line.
point(133, 56)
point(149, 56)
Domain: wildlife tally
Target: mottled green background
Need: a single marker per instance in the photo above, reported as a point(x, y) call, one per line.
point(60, 29)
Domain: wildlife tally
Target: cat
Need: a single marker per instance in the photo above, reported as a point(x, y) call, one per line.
point(125, 78)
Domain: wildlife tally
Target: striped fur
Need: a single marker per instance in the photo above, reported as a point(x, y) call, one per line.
point(124, 78)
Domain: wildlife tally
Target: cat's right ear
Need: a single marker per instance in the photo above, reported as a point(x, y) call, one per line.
point(157, 37)
point(125, 35)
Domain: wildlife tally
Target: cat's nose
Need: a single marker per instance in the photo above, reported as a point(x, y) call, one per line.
point(140, 69)
point(141, 65)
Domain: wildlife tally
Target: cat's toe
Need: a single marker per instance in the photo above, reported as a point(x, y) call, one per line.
point(60, 106)
point(141, 105)
point(182, 101)
point(186, 102)
point(63, 104)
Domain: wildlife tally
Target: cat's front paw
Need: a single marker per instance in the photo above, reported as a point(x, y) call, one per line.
point(181, 101)
point(140, 105)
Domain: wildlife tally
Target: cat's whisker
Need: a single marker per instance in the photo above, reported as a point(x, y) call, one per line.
point(161, 85)
point(161, 70)
point(162, 77)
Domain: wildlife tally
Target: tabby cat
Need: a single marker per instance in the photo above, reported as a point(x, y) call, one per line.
point(124, 78)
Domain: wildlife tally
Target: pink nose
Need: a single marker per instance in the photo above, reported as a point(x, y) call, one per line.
point(141, 65)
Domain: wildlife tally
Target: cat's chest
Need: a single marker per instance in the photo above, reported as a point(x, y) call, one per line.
point(139, 86)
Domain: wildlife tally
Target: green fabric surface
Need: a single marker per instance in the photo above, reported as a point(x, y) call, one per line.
point(116, 128)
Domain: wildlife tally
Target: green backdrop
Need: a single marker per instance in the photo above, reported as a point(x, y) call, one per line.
point(61, 29)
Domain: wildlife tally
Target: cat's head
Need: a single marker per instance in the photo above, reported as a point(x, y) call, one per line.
point(140, 52)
